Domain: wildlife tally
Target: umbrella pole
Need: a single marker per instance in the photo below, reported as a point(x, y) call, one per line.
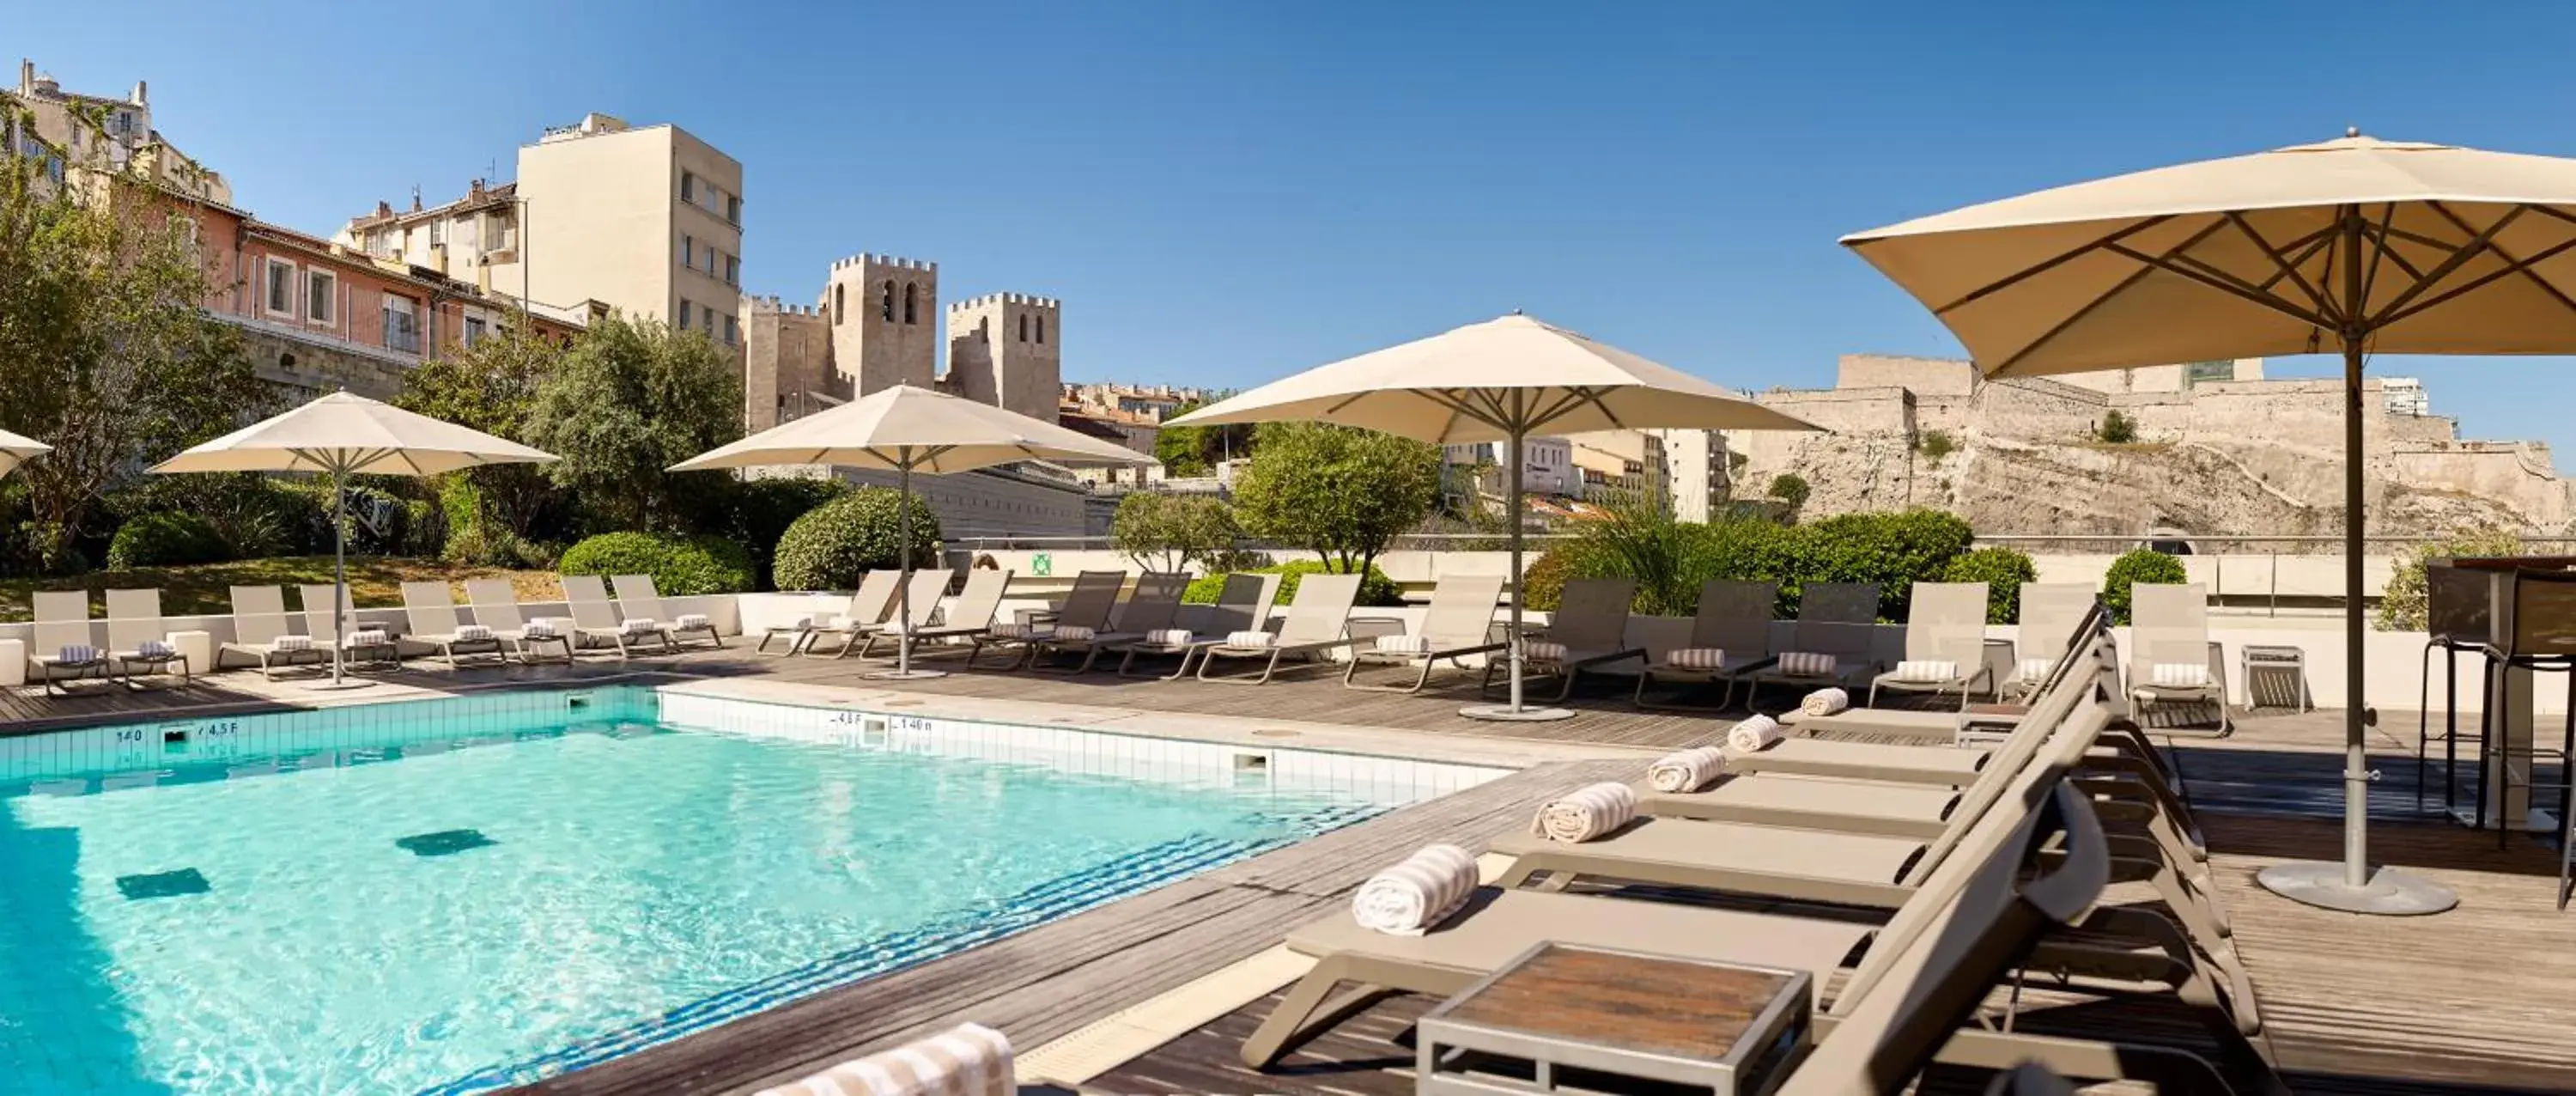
point(339, 468)
point(1513, 712)
point(903, 592)
point(2351, 886)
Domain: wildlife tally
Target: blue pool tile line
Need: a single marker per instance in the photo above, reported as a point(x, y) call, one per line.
point(1141, 871)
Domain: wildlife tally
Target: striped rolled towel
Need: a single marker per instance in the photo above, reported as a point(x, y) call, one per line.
point(1806, 663)
point(1417, 892)
point(1540, 650)
point(155, 648)
point(1074, 633)
point(76, 654)
point(638, 625)
point(1825, 702)
point(1404, 645)
point(1023, 631)
point(540, 628)
point(1586, 812)
point(1686, 771)
point(1754, 734)
point(1250, 638)
point(292, 643)
point(966, 1060)
point(690, 622)
point(1697, 658)
point(370, 637)
point(1171, 637)
point(1926, 670)
point(473, 633)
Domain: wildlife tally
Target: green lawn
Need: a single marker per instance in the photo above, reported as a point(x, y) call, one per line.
point(205, 589)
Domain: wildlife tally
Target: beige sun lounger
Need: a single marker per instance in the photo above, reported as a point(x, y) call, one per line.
point(1152, 608)
point(915, 600)
point(2050, 614)
point(133, 622)
point(1945, 624)
point(2169, 624)
point(1318, 620)
point(1834, 618)
point(1733, 617)
point(262, 630)
point(1088, 605)
point(1590, 624)
point(637, 595)
point(431, 612)
point(1242, 604)
point(320, 601)
point(868, 606)
point(968, 617)
point(496, 606)
point(62, 624)
point(1458, 623)
point(594, 618)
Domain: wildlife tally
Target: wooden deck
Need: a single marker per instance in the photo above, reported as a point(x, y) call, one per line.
point(2477, 1000)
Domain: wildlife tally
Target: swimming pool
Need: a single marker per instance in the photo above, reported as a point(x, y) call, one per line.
point(456, 895)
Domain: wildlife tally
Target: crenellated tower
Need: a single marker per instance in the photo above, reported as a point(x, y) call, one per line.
point(882, 311)
point(1006, 349)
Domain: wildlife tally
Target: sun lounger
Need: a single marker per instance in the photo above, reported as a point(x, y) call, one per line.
point(135, 636)
point(62, 641)
point(431, 612)
point(2172, 660)
point(1458, 623)
point(915, 599)
point(496, 606)
point(1588, 629)
point(970, 616)
point(322, 617)
point(1242, 604)
point(1085, 608)
point(261, 630)
point(1318, 620)
point(1152, 608)
point(2050, 614)
point(868, 606)
point(594, 618)
point(637, 595)
point(1833, 644)
point(1945, 643)
point(1730, 637)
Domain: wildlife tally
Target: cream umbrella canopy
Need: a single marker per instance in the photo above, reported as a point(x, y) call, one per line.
point(344, 435)
point(2351, 246)
point(14, 450)
point(904, 429)
point(1500, 380)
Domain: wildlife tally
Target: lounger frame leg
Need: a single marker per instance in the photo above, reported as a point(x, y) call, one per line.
point(1311, 1006)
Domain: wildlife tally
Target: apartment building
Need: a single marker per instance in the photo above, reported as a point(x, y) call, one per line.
point(466, 239)
point(1547, 465)
point(114, 132)
point(1695, 461)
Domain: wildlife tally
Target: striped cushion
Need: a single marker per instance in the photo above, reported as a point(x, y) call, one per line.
point(1404, 645)
point(76, 653)
point(1023, 631)
point(1925, 670)
point(1170, 637)
point(690, 622)
point(1250, 638)
point(1540, 650)
point(1074, 633)
point(2179, 675)
point(473, 633)
point(639, 625)
point(540, 628)
point(2033, 669)
point(371, 637)
point(1697, 658)
point(155, 648)
point(292, 643)
point(1806, 664)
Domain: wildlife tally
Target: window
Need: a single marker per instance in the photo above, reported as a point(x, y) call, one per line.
point(689, 252)
point(402, 324)
point(907, 302)
point(840, 303)
point(684, 315)
point(498, 230)
point(281, 288)
point(688, 187)
point(321, 290)
point(885, 303)
point(733, 208)
point(1041, 329)
point(1024, 327)
point(124, 121)
point(733, 330)
point(733, 270)
point(474, 330)
point(437, 233)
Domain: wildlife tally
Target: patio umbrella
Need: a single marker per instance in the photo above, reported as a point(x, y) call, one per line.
point(15, 450)
point(344, 435)
point(1501, 380)
point(904, 429)
point(2352, 246)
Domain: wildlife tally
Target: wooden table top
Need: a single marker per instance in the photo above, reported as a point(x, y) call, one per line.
point(1672, 1007)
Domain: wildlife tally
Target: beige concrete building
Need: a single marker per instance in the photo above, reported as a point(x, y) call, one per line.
point(1695, 461)
point(1003, 350)
point(117, 135)
point(797, 342)
point(1622, 463)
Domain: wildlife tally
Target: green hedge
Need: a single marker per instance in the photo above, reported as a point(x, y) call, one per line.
point(2003, 570)
point(165, 540)
point(1375, 588)
point(680, 566)
point(1893, 550)
point(835, 543)
point(2141, 565)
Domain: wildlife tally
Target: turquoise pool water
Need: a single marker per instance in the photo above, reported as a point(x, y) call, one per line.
point(457, 903)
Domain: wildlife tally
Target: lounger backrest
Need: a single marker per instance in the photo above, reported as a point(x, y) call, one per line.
point(2066, 717)
point(496, 603)
point(430, 608)
point(637, 597)
point(62, 620)
point(1094, 596)
point(1592, 615)
point(1947, 620)
point(1462, 611)
point(321, 614)
point(874, 598)
point(1735, 617)
point(133, 618)
point(1155, 604)
point(1243, 604)
point(259, 615)
point(976, 604)
point(2049, 613)
point(1321, 611)
point(1936, 960)
point(2168, 623)
point(1839, 602)
point(587, 597)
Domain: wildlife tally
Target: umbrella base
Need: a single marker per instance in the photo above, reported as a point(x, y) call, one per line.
point(2389, 893)
point(326, 685)
point(906, 675)
point(1505, 713)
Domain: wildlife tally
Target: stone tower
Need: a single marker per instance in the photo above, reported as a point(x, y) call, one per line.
point(1005, 349)
point(883, 312)
point(786, 367)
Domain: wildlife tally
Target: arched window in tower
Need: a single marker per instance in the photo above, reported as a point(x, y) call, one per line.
point(1024, 327)
point(908, 302)
point(885, 301)
point(840, 303)
point(1041, 329)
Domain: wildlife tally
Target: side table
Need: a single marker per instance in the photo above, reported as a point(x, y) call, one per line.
point(1560, 1018)
point(2258, 661)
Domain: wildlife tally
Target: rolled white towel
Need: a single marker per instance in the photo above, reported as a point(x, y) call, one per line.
point(369, 637)
point(1417, 892)
point(1754, 734)
point(1926, 670)
point(1697, 658)
point(1806, 663)
point(1825, 701)
point(1250, 638)
point(544, 628)
point(638, 625)
point(292, 643)
point(966, 1060)
point(1074, 633)
point(76, 653)
point(1540, 650)
point(1022, 631)
point(690, 622)
point(1586, 812)
point(155, 648)
point(1686, 771)
point(1171, 637)
point(1404, 645)
point(473, 633)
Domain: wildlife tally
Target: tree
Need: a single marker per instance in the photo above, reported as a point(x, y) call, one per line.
point(2117, 429)
point(632, 398)
point(492, 386)
point(1195, 450)
point(1169, 532)
point(1791, 488)
point(106, 352)
point(1340, 493)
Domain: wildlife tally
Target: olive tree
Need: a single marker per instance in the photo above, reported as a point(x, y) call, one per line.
point(1339, 492)
point(1168, 532)
point(631, 399)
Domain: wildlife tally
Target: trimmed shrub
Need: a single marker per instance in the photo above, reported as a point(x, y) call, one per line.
point(680, 566)
point(1791, 488)
point(2116, 428)
point(1375, 589)
point(2403, 604)
point(756, 513)
point(2142, 565)
point(1893, 550)
point(2003, 570)
point(1543, 579)
point(165, 539)
point(835, 543)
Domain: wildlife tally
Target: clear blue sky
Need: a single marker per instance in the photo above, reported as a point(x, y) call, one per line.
point(1224, 192)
